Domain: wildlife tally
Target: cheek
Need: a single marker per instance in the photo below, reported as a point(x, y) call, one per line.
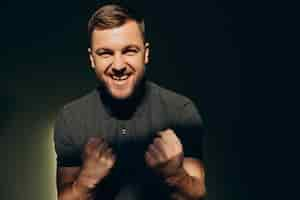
point(101, 65)
point(100, 71)
point(100, 62)
point(137, 62)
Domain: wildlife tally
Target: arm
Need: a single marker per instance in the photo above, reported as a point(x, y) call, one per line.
point(79, 183)
point(67, 188)
point(190, 182)
point(185, 175)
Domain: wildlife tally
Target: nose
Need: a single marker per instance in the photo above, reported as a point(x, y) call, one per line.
point(118, 62)
point(119, 72)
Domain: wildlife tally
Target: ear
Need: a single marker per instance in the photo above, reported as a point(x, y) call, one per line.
point(147, 51)
point(91, 58)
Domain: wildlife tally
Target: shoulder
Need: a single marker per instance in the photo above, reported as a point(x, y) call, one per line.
point(179, 108)
point(74, 119)
point(79, 107)
point(169, 97)
point(82, 103)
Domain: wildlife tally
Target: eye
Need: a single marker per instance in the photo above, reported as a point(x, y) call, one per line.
point(130, 52)
point(104, 53)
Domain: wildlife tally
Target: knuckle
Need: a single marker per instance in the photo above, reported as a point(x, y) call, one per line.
point(161, 133)
point(157, 141)
point(151, 147)
point(171, 130)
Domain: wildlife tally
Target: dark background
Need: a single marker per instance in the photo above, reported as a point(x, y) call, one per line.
point(195, 50)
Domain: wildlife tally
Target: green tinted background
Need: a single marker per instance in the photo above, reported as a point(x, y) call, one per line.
point(44, 64)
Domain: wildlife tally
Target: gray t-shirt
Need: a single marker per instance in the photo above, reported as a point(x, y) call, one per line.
point(129, 136)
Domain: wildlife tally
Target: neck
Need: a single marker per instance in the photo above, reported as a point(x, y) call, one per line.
point(123, 108)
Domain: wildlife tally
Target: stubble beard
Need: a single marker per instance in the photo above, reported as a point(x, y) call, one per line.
point(137, 86)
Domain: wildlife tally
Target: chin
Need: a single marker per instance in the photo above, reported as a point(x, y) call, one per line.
point(121, 95)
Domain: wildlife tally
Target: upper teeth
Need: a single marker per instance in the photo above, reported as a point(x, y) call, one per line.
point(120, 78)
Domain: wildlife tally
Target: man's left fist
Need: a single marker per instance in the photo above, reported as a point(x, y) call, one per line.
point(165, 154)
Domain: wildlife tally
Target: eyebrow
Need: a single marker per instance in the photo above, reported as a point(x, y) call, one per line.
point(101, 50)
point(131, 46)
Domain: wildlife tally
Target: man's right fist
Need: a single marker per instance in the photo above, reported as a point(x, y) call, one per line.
point(98, 159)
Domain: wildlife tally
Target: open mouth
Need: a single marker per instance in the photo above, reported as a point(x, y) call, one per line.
point(120, 78)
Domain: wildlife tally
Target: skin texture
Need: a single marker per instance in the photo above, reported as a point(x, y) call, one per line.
point(193, 167)
point(166, 157)
point(79, 183)
point(119, 52)
point(98, 160)
point(165, 154)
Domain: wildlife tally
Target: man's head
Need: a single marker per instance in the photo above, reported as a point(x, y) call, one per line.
point(118, 51)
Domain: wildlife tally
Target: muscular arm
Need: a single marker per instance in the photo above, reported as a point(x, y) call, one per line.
point(66, 185)
point(186, 175)
point(189, 184)
point(79, 183)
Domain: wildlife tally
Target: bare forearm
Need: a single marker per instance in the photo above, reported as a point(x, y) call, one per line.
point(71, 191)
point(186, 187)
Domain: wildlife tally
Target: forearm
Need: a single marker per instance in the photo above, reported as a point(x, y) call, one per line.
point(186, 187)
point(72, 191)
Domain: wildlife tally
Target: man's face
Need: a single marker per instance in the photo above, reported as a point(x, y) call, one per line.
point(118, 56)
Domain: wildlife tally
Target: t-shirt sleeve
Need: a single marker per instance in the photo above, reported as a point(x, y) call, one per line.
point(68, 154)
point(190, 130)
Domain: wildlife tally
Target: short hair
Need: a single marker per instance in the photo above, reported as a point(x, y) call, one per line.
point(113, 15)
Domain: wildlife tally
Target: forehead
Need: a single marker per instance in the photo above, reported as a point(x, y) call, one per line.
point(127, 34)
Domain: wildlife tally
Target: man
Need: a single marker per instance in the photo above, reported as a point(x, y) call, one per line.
point(129, 138)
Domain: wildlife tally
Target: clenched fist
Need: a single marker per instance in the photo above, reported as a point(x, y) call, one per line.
point(98, 159)
point(165, 154)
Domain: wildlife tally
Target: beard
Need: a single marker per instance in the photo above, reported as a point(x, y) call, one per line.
point(115, 106)
point(134, 89)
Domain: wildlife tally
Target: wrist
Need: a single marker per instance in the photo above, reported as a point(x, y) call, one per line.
point(176, 178)
point(170, 168)
point(79, 191)
point(188, 186)
point(84, 184)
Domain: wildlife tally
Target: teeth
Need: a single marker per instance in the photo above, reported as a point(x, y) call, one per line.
point(120, 78)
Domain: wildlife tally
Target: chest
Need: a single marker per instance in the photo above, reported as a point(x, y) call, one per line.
point(128, 138)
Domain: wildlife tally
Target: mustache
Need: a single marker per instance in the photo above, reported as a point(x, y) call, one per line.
point(119, 71)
